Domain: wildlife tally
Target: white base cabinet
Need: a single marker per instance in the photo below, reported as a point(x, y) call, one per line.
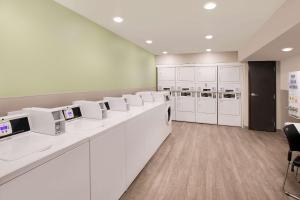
point(143, 137)
point(65, 177)
point(108, 164)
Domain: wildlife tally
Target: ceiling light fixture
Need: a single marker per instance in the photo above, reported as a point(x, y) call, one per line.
point(209, 37)
point(208, 50)
point(210, 6)
point(165, 52)
point(287, 49)
point(149, 41)
point(118, 19)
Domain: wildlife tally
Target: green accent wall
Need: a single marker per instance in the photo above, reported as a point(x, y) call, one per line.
point(47, 49)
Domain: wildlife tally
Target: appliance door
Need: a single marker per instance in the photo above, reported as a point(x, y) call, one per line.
point(229, 74)
point(166, 74)
point(229, 106)
point(168, 114)
point(206, 74)
point(207, 103)
point(185, 74)
point(186, 103)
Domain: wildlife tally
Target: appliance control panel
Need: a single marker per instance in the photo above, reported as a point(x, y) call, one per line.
point(5, 129)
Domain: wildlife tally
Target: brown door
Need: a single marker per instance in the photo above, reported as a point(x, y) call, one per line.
point(262, 95)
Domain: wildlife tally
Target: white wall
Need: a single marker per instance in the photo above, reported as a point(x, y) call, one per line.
point(197, 58)
point(287, 65)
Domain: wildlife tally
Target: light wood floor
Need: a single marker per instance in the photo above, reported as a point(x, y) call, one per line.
point(207, 162)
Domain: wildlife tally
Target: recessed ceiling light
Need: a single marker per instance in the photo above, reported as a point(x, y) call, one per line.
point(149, 41)
point(165, 52)
point(287, 49)
point(209, 37)
point(118, 19)
point(208, 50)
point(210, 6)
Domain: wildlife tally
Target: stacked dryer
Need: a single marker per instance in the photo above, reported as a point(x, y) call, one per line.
point(229, 92)
point(167, 82)
point(206, 86)
point(208, 94)
point(186, 94)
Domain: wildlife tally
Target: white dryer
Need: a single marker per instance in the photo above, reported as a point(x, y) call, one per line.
point(185, 74)
point(186, 102)
point(166, 73)
point(166, 76)
point(206, 86)
point(229, 93)
point(164, 96)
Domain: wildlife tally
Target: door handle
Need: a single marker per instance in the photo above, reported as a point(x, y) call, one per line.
point(254, 95)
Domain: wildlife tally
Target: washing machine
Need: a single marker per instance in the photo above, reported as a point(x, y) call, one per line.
point(206, 87)
point(164, 96)
point(170, 88)
point(186, 102)
point(18, 141)
point(229, 95)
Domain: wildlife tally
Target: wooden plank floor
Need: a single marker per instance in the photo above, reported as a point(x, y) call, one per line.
point(207, 162)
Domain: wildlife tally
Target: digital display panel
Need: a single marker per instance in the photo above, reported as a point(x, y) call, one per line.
point(68, 113)
point(5, 129)
point(14, 126)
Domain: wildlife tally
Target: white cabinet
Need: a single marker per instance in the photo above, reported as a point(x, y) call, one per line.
point(144, 134)
point(135, 139)
point(65, 177)
point(108, 164)
point(156, 131)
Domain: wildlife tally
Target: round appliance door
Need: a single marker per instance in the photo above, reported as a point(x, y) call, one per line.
point(168, 114)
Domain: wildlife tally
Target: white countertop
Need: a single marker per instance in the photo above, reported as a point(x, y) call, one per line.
point(38, 148)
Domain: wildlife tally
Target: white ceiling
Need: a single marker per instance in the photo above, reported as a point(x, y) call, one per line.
point(179, 26)
point(272, 51)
